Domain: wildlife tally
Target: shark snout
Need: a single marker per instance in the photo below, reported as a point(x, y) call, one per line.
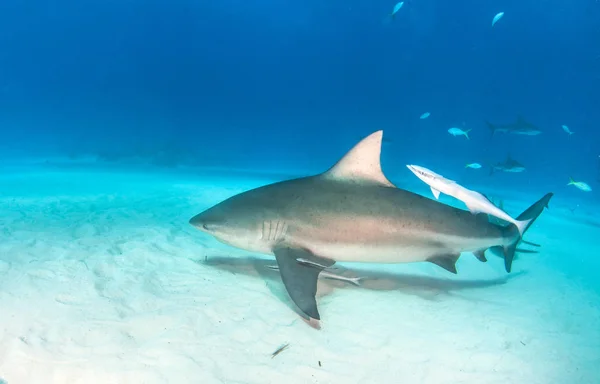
point(205, 224)
point(199, 222)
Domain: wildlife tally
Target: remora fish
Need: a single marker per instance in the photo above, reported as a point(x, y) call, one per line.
point(519, 127)
point(330, 275)
point(509, 165)
point(352, 213)
point(475, 201)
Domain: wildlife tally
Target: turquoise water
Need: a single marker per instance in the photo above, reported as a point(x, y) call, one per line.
point(121, 121)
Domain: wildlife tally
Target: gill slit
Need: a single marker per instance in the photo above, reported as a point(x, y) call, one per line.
point(274, 231)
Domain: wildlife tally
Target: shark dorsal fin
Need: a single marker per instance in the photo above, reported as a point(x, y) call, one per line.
point(362, 163)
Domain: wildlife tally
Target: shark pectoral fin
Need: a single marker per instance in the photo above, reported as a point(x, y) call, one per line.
point(509, 255)
point(435, 192)
point(300, 279)
point(448, 262)
point(480, 255)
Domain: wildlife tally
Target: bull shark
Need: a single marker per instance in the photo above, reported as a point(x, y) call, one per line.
point(519, 127)
point(509, 165)
point(352, 213)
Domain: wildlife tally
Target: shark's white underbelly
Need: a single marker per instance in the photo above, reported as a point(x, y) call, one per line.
point(398, 252)
point(373, 254)
point(376, 246)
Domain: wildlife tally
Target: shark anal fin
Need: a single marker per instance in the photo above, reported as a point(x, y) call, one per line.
point(480, 255)
point(300, 279)
point(448, 262)
point(435, 192)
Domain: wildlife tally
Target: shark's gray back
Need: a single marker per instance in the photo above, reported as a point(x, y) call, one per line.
point(330, 206)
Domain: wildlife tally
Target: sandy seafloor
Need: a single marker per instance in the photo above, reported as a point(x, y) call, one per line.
point(102, 280)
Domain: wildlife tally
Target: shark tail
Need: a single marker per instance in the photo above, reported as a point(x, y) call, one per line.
point(467, 133)
point(571, 181)
point(492, 128)
point(522, 225)
point(528, 216)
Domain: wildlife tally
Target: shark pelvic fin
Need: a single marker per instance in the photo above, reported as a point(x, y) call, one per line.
point(448, 262)
point(362, 163)
point(300, 279)
point(480, 255)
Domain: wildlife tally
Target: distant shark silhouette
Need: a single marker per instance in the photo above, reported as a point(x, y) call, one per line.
point(352, 213)
point(519, 127)
point(509, 165)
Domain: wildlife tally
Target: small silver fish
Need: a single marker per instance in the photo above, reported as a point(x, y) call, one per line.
point(580, 185)
point(473, 165)
point(497, 17)
point(459, 132)
point(397, 8)
point(566, 129)
point(280, 349)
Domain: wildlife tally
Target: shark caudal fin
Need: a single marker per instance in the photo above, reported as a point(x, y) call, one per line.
point(528, 216)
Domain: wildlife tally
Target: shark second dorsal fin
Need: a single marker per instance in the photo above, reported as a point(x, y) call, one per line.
point(362, 163)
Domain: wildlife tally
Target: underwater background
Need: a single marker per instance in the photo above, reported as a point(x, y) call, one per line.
point(201, 80)
point(119, 120)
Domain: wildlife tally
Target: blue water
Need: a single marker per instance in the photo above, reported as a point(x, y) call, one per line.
point(248, 84)
point(288, 87)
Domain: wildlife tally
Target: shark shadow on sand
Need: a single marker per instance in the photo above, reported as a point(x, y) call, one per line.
point(425, 287)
